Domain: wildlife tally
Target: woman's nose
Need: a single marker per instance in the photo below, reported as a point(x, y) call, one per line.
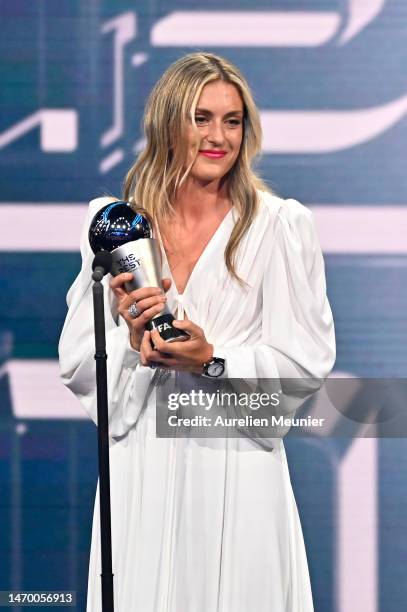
point(215, 133)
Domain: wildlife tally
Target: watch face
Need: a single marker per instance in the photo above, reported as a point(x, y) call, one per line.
point(215, 369)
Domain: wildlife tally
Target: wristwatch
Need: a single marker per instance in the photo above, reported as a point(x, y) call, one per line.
point(214, 368)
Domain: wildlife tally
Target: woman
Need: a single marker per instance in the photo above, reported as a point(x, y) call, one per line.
point(203, 525)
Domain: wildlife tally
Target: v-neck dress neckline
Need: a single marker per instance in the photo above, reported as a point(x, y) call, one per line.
point(198, 262)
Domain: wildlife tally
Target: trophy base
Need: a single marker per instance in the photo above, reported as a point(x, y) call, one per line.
point(163, 324)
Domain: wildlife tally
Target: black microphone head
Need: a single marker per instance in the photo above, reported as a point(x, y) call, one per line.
point(115, 224)
point(103, 259)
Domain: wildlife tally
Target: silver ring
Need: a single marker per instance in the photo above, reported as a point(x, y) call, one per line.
point(133, 311)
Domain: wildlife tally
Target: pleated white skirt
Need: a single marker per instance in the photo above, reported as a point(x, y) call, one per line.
point(201, 525)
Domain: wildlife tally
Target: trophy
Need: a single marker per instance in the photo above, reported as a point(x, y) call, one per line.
point(128, 235)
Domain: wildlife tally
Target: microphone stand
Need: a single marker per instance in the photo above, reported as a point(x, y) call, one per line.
point(103, 446)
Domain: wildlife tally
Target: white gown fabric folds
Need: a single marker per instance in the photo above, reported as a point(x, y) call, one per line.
point(208, 525)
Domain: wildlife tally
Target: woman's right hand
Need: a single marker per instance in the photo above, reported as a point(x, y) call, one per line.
point(149, 302)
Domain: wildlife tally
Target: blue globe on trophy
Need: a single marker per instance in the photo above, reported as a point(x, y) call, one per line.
point(128, 235)
point(115, 225)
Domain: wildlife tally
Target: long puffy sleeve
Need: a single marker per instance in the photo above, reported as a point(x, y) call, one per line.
point(297, 329)
point(128, 380)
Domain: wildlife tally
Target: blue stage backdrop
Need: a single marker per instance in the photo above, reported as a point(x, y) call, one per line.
point(329, 78)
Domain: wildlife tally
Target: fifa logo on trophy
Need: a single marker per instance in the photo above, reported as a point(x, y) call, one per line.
point(128, 235)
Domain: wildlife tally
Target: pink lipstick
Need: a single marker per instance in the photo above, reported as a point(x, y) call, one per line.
point(213, 154)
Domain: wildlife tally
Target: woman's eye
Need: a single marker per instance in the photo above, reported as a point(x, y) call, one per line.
point(201, 119)
point(234, 122)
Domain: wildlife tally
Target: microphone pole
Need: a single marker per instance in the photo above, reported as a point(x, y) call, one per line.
point(101, 266)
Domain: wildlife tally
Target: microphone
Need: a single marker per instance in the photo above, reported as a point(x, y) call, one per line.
point(101, 265)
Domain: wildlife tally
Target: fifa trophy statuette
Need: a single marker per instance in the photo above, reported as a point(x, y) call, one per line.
point(128, 235)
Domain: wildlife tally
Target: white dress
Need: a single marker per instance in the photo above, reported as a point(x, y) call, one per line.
point(208, 525)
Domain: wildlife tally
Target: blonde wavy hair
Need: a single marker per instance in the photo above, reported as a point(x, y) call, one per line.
point(153, 180)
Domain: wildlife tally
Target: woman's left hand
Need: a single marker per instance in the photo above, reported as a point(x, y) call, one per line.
point(188, 355)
